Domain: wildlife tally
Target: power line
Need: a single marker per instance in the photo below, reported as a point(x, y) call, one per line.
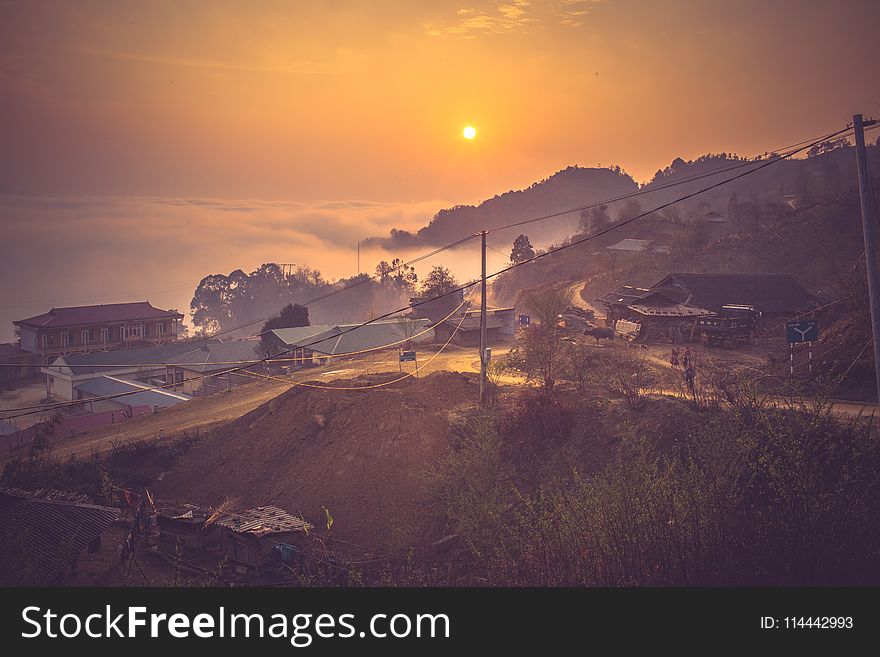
point(524, 262)
point(367, 278)
point(706, 174)
point(60, 405)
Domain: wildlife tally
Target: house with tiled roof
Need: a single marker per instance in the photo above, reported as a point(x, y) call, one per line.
point(86, 329)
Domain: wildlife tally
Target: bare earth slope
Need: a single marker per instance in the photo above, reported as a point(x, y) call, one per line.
point(359, 453)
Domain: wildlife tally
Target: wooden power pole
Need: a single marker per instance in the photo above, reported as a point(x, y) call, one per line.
point(869, 229)
point(483, 344)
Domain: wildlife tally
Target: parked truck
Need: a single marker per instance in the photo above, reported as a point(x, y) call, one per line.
point(733, 325)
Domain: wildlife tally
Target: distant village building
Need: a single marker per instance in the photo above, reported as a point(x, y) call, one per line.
point(631, 250)
point(183, 367)
point(311, 345)
point(84, 329)
point(670, 308)
point(465, 331)
point(131, 395)
point(436, 309)
point(252, 537)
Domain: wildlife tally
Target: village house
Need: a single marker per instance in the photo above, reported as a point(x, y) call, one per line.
point(85, 329)
point(631, 250)
point(43, 533)
point(465, 330)
point(309, 345)
point(206, 369)
point(144, 364)
point(250, 537)
point(436, 309)
point(670, 308)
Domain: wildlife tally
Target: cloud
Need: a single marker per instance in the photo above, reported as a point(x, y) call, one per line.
point(572, 12)
point(471, 22)
point(79, 250)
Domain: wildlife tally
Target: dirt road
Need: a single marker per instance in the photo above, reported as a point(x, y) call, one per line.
point(206, 413)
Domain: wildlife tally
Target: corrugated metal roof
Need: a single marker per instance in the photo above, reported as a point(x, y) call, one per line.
point(39, 537)
point(671, 310)
point(163, 353)
point(264, 520)
point(111, 312)
point(150, 396)
point(348, 338)
point(472, 323)
point(769, 293)
point(630, 244)
point(216, 356)
point(301, 334)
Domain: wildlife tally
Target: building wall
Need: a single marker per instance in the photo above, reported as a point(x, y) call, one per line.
point(34, 340)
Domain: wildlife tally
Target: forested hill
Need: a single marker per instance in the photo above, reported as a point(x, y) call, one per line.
point(563, 190)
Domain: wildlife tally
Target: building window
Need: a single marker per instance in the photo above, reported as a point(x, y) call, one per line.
point(134, 330)
point(160, 329)
point(106, 335)
point(87, 336)
point(65, 339)
point(48, 339)
point(146, 328)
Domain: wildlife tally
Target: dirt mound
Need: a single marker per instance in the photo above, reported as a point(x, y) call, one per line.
point(359, 453)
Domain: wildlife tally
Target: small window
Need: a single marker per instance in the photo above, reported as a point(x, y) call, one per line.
point(160, 328)
point(85, 337)
point(106, 334)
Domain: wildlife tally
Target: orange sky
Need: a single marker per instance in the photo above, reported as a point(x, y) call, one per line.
point(345, 100)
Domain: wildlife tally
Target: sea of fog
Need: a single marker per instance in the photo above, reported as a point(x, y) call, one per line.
point(89, 250)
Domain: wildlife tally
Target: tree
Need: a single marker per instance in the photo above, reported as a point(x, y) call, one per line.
point(594, 218)
point(439, 281)
point(291, 316)
point(397, 275)
point(631, 208)
point(548, 304)
point(522, 250)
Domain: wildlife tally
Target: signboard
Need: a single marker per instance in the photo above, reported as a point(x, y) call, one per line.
point(488, 354)
point(525, 320)
point(802, 330)
point(407, 356)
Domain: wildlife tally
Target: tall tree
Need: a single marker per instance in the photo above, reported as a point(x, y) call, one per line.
point(522, 250)
point(439, 281)
point(291, 316)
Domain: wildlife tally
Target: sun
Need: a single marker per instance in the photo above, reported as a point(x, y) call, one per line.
point(469, 132)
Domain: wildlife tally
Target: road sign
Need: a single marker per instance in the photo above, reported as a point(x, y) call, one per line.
point(525, 320)
point(802, 330)
point(407, 356)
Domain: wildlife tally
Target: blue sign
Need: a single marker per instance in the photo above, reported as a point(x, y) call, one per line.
point(407, 356)
point(525, 320)
point(802, 330)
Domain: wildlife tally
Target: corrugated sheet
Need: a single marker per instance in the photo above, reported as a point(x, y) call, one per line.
point(348, 338)
point(149, 396)
point(85, 363)
point(39, 537)
point(264, 520)
point(769, 293)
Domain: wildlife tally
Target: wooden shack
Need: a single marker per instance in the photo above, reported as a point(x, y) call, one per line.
point(250, 536)
point(185, 524)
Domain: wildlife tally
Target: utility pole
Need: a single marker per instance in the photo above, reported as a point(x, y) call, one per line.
point(483, 322)
point(359, 257)
point(869, 228)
